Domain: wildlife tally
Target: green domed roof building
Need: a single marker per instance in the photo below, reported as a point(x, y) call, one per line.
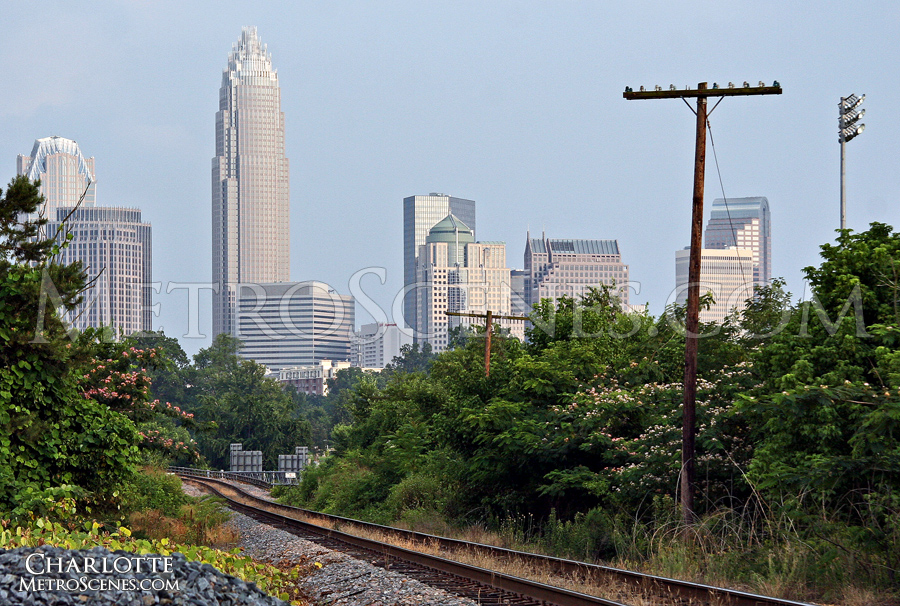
point(455, 233)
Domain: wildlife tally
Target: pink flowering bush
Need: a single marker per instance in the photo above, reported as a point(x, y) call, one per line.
point(118, 376)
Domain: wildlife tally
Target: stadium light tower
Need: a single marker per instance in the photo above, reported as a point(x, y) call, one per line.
point(849, 114)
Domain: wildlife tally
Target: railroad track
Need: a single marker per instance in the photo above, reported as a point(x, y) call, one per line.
point(482, 585)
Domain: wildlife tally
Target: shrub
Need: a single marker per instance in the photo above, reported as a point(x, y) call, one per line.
point(587, 537)
point(153, 488)
point(418, 491)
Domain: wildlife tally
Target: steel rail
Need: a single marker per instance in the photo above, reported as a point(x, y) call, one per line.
point(697, 592)
point(523, 587)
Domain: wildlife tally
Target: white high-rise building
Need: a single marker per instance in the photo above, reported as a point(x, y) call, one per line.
point(726, 273)
point(376, 345)
point(556, 268)
point(420, 214)
point(743, 223)
point(458, 274)
point(288, 324)
point(114, 247)
point(65, 174)
point(250, 184)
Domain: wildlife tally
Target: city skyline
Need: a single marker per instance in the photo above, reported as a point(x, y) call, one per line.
point(505, 104)
point(455, 273)
point(557, 267)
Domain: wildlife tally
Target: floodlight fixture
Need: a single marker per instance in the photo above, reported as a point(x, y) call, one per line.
point(851, 102)
point(849, 113)
point(849, 127)
point(853, 131)
point(850, 118)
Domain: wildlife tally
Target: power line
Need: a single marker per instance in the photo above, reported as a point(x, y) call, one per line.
point(724, 197)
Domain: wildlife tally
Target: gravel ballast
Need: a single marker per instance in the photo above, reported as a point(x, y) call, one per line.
point(331, 577)
point(341, 580)
point(52, 575)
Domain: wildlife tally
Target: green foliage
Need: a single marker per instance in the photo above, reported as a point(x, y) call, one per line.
point(51, 433)
point(221, 398)
point(153, 488)
point(324, 413)
point(56, 503)
point(412, 358)
point(41, 531)
point(422, 491)
point(587, 536)
point(343, 486)
point(20, 231)
point(246, 406)
point(869, 261)
point(575, 438)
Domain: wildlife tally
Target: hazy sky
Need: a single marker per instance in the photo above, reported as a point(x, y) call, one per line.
point(516, 105)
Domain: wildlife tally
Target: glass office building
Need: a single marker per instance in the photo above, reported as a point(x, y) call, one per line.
point(250, 185)
point(420, 214)
point(744, 223)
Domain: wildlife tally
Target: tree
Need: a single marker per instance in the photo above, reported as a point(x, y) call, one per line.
point(412, 358)
point(869, 261)
point(51, 434)
point(246, 406)
point(172, 374)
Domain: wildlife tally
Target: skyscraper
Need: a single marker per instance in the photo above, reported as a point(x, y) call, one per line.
point(112, 243)
point(250, 185)
point(743, 223)
point(288, 324)
point(554, 268)
point(457, 274)
point(114, 247)
point(726, 273)
point(420, 214)
point(64, 172)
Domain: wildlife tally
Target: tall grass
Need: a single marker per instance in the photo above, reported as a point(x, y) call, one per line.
point(754, 549)
point(788, 546)
point(157, 508)
point(199, 522)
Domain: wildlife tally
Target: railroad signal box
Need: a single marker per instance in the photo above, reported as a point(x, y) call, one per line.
point(245, 460)
point(295, 462)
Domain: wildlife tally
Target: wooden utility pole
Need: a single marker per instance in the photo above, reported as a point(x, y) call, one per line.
point(692, 321)
point(489, 318)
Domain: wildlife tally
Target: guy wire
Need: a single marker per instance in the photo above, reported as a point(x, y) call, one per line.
point(725, 198)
